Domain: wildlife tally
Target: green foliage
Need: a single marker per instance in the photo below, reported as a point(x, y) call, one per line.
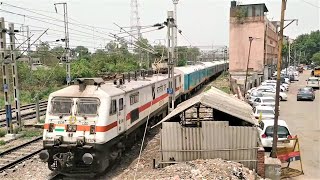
point(82, 68)
point(182, 62)
point(241, 13)
point(2, 142)
point(32, 133)
point(308, 43)
point(316, 58)
point(2, 132)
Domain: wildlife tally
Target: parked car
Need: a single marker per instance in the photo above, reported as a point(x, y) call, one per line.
point(271, 92)
point(306, 93)
point(274, 85)
point(313, 82)
point(266, 133)
point(264, 101)
point(253, 95)
point(266, 112)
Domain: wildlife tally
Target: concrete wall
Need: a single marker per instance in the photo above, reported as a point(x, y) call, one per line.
point(239, 45)
point(264, 51)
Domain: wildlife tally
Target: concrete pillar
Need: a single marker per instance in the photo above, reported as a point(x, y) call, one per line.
point(272, 168)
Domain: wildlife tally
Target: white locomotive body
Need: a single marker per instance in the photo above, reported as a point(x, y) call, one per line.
point(90, 123)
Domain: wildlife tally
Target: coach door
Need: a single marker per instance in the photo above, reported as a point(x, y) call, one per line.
point(121, 114)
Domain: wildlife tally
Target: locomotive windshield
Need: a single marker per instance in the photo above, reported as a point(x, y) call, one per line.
point(61, 106)
point(87, 106)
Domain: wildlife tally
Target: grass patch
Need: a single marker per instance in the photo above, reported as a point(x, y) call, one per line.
point(42, 121)
point(2, 142)
point(225, 89)
point(32, 133)
point(2, 132)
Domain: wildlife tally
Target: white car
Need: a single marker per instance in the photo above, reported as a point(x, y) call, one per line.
point(266, 133)
point(268, 91)
point(253, 96)
point(285, 85)
point(313, 82)
point(274, 85)
point(266, 112)
point(264, 101)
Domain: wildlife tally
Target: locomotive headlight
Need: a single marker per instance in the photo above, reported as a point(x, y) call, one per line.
point(71, 128)
point(92, 129)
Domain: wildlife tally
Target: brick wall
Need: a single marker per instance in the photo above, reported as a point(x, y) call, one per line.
point(260, 158)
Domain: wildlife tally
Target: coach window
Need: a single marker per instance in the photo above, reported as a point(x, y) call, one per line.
point(113, 107)
point(134, 98)
point(87, 106)
point(120, 104)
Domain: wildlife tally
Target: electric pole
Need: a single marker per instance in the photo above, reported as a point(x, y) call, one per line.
point(16, 91)
point(175, 4)
point(276, 117)
point(171, 61)
point(245, 82)
point(5, 75)
point(289, 54)
point(66, 41)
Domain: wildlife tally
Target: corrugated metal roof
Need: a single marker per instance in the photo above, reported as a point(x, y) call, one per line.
point(219, 100)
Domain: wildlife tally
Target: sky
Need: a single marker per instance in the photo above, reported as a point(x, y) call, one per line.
point(203, 22)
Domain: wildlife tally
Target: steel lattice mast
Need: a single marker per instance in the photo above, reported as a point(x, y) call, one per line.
point(135, 24)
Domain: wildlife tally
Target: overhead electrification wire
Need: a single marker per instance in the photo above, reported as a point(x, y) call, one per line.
point(310, 4)
point(142, 32)
point(34, 11)
point(36, 18)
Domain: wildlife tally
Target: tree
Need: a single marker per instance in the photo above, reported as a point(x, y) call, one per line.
point(57, 50)
point(307, 43)
point(82, 52)
point(316, 58)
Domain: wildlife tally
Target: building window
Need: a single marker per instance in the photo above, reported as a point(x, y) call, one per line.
point(134, 98)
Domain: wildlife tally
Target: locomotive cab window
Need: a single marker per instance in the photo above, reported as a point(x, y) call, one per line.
point(134, 98)
point(87, 106)
point(113, 107)
point(61, 106)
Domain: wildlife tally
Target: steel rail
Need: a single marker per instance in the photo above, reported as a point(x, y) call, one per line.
point(22, 158)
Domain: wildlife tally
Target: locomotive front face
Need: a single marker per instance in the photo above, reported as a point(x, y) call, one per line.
point(74, 126)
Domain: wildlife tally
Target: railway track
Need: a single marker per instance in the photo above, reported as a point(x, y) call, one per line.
point(25, 107)
point(18, 154)
point(25, 115)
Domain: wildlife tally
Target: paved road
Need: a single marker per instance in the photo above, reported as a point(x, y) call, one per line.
point(303, 119)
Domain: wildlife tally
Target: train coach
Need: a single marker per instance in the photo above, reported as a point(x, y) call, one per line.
point(90, 123)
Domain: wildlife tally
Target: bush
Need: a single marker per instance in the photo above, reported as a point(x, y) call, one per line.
point(2, 142)
point(2, 132)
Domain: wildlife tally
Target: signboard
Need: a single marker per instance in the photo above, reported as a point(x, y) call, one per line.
point(170, 91)
point(288, 150)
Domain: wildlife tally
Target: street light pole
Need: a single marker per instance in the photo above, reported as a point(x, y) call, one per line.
point(276, 117)
point(245, 82)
